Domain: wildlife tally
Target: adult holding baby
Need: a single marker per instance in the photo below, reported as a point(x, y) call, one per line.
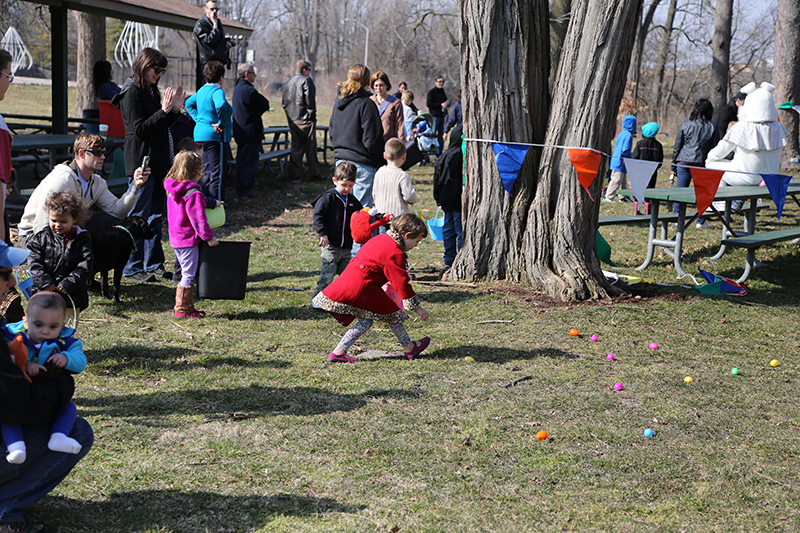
point(147, 118)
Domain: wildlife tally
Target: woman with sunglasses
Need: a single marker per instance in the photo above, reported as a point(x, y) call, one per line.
point(147, 118)
point(6, 77)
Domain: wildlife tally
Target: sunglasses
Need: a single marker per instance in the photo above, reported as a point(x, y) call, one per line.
point(9, 76)
point(97, 152)
point(159, 70)
point(6, 274)
point(214, 8)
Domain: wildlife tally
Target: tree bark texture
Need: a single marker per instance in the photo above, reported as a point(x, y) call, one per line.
point(504, 75)
point(545, 233)
point(560, 234)
point(786, 75)
point(559, 22)
point(721, 55)
point(91, 48)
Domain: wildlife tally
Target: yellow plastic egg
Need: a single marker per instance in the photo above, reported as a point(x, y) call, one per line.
point(469, 358)
point(774, 362)
point(688, 379)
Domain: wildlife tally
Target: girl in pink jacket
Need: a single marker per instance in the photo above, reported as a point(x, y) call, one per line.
point(188, 225)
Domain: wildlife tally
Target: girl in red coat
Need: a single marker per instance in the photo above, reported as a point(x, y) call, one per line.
point(357, 292)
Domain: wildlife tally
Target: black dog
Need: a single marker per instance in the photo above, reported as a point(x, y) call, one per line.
point(113, 247)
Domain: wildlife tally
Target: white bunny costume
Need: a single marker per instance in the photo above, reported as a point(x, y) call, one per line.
point(756, 140)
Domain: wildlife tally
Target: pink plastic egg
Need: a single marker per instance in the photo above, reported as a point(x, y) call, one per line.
point(610, 357)
point(594, 338)
point(618, 386)
point(653, 346)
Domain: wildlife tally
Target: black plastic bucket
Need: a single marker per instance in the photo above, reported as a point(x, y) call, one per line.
point(222, 274)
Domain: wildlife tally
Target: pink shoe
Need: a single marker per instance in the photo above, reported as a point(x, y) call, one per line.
point(333, 358)
point(419, 347)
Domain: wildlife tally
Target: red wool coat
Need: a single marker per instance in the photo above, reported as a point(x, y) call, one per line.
point(357, 292)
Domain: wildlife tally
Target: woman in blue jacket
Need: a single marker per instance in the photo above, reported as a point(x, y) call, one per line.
point(213, 129)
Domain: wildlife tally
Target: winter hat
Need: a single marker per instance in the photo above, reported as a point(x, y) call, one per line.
point(759, 106)
point(650, 129)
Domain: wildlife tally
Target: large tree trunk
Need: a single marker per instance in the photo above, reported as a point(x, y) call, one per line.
point(545, 233)
point(787, 74)
point(661, 62)
point(504, 68)
point(721, 55)
point(91, 48)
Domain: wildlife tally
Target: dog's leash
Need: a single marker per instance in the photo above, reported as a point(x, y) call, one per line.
point(126, 230)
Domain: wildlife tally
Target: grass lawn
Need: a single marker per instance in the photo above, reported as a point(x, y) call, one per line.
point(236, 422)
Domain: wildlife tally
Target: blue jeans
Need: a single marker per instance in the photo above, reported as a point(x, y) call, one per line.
point(438, 126)
point(246, 166)
point(23, 485)
point(215, 166)
point(452, 236)
point(684, 179)
point(148, 254)
point(365, 177)
point(334, 261)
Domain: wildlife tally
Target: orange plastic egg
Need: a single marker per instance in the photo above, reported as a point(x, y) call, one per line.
point(542, 435)
point(574, 332)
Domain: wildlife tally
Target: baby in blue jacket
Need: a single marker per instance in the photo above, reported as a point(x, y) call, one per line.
point(43, 337)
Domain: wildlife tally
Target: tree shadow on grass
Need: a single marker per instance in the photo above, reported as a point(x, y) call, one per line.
point(123, 358)
point(492, 354)
point(172, 510)
point(454, 297)
point(265, 276)
point(255, 400)
point(281, 313)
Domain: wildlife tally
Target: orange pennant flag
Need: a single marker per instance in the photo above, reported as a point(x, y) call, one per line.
point(586, 163)
point(706, 182)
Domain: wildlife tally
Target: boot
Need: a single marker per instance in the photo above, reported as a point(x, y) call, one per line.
point(184, 304)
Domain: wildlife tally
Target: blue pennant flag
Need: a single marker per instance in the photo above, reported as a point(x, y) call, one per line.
point(509, 158)
point(777, 185)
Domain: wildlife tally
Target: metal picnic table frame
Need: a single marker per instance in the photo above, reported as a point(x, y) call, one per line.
point(685, 196)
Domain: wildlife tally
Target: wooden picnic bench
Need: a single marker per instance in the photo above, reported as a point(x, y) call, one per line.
point(755, 241)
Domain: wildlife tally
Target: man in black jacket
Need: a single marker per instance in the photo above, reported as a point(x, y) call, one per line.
point(300, 104)
point(211, 41)
point(248, 128)
point(437, 106)
point(34, 405)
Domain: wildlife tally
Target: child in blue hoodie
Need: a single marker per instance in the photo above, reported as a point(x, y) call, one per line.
point(43, 337)
point(622, 148)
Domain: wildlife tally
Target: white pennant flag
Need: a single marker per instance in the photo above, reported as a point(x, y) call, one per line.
point(639, 174)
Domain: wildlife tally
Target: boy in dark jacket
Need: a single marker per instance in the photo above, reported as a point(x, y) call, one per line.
point(332, 213)
point(448, 178)
point(649, 149)
point(61, 253)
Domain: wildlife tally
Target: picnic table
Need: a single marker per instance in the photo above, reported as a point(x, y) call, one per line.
point(684, 197)
point(277, 147)
point(34, 142)
point(43, 124)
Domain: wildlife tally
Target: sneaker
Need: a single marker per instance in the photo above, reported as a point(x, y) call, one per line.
point(608, 200)
point(21, 527)
point(334, 358)
point(142, 277)
point(701, 225)
point(162, 273)
point(419, 347)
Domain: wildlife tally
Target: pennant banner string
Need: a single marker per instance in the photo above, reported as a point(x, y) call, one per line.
point(605, 154)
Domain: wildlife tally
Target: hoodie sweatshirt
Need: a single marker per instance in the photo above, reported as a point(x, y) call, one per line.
point(622, 148)
point(186, 213)
point(356, 131)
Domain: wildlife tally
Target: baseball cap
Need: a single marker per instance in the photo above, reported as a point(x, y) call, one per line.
point(10, 256)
